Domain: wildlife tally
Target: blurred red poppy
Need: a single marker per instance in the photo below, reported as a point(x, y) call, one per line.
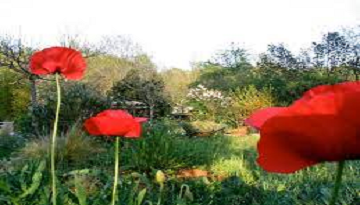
point(65, 61)
point(323, 125)
point(258, 118)
point(114, 123)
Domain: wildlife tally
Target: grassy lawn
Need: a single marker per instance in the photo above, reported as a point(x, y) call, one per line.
point(224, 172)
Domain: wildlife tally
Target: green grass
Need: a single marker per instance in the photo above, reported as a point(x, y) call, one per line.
point(310, 186)
point(162, 148)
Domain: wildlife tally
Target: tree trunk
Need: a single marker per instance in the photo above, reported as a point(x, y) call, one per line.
point(33, 93)
point(33, 99)
point(151, 112)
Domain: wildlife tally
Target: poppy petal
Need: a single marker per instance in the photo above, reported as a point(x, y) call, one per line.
point(323, 128)
point(258, 118)
point(134, 132)
point(74, 65)
point(141, 119)
point(288, 144)
point(324, 89)
point(66, 61)
point(113, 123)
point(37, 64)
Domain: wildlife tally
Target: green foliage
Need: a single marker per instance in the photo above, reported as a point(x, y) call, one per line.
point(36, 181)
point(223, 79)
point(104, 70)
point(202, 128)
point(9, 143)
point(73, 149)
point(156, 149)
point(227, 70)
point(80, 191)
point(233, 108)
point(233, 158)
point(145, 88)
point(26, 185)
point(176, 83)
point(79, 101)
point(289, 85)
point(14, 96)
point(246, 101)
point(84, 163)
point(163, 146)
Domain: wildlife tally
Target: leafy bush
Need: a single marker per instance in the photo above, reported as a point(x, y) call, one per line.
point(202, 127)
point(156, 149)
point(145, 88)
point(73, 148)
point(163, 147)
point(206, 103)
point(234, 108)
point(27, 185)
point(79, 101)
point(246, 101)
point(9, 143)
point(288, 85)
point(14, 96)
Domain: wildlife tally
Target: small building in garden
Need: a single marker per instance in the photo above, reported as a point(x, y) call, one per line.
point(135, 108)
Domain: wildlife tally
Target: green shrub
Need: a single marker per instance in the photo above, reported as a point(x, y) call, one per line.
point(147, 88)
point(74, 148)
point(207, 103)
point(9, 143)
point(27, 185)
point(156, 149)
point(288, 85)
point(79, 101)
point(246, 101)
point(14, 96)
point(205, 127)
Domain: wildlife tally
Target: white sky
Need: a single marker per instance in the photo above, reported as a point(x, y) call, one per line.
point(176, 32)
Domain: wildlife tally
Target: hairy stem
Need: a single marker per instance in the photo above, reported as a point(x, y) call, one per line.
point(53, 141)
point(336, 189)
point(116, 174)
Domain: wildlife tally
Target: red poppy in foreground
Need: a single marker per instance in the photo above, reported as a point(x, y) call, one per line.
point(65, 61)
point(323, 125)
point(114, 123)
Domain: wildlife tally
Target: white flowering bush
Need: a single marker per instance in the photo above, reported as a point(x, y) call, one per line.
point(230, 108)
point(201, 93)
point(207, 102)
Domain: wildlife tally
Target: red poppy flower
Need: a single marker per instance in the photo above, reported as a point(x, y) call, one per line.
point(324, 125)
point(65, 61)
point(114, 123)
point(258, 118)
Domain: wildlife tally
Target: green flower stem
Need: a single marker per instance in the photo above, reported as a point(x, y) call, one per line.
point(336, 189)
point(53, 142)
point(116, 174)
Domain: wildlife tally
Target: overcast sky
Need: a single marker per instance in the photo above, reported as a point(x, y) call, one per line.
point(177, 32)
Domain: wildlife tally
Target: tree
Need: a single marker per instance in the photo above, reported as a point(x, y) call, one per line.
point(278, 56)
point(117, 55)
point(233, 57)
point(177, 83)
point(87, 49)
point(15, 56)
point(14, 96)
point(227, 70)
point(121, 46)
point(332, 51)
point(146, 88)
point(103, 71)
point(353, 58)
